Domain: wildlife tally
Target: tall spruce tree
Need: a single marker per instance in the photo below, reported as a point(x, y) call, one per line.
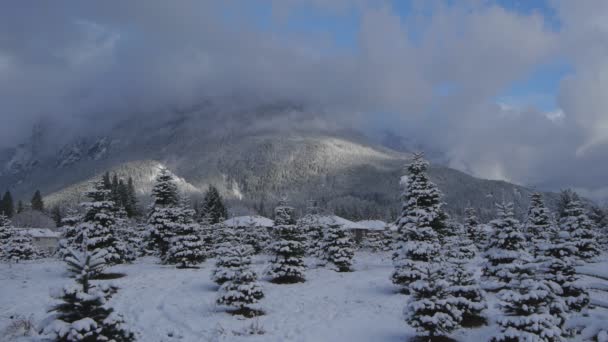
point(287, 265)
point(581, 230)
point(213, 208)
point(474, 229)
point(83, 313)
point(241, 292)
point(186, 247)
point(418, 227)
point(538, 225)
point(506, 254)
point(20, 247)
point(339, 248)
point(71, 235)
point(466, 294)
point(99, 224)
point(131, 206)
point(6, 231)
point(164, 213)
point(226, 262)
point(7, 207)
point(37, 202)
point(430, 309)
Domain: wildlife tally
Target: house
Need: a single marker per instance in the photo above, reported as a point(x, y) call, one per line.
point(249, 221)
point(46, 240)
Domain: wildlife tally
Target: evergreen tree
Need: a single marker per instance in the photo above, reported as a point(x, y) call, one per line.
point(7, 205)
point(71, 235)
point(83, 313)
point(474, 229)
point(107, 182)
point(164, 214)
point(599, 216)
point(339, 248)
point(284, 214)
point(314, 232)
point(57, 215)
point(431, 310)
point(538, 223)
point(506, 252)
point(576, 222)
point(241, 292)
point(99, 224)
point(186, 247)
point(6, 231)
point(466, 295)
point(37, 202)
point(213, 206)
point(527, 313)
point(459, 247)
point(131, 201)
point(565, 196)
point(288, 264)
point(226, 262)
point(20, 207)
point(20, 247)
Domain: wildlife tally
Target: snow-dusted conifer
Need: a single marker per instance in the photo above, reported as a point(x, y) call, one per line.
point(82, 313)
point(99, 224)
point(6, 231)
point(421, 220)
point(581, 230)
point(339, 248)
point(459, 247)
point(20, 247)
point(284, 214)
point(287, 266)
point(466, 294)
point(186, 247)
point(506, 254)
point(241, 292)
point(474, 229)
point(163, 213)
point(226, 262)
point(71, 236)
point(431, 310)
point(213, 209)
point(527, 316)
point(538, 225)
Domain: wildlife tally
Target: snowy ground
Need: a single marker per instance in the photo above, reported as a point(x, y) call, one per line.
point(167, 304)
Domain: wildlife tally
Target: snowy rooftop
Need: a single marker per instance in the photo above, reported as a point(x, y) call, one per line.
point(246, 221)
point(40, 232)
point(333, 219)
point(373, 224)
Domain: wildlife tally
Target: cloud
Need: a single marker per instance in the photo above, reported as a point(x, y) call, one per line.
point(433, 73)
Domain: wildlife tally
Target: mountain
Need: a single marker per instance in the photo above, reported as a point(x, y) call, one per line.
point(253, 164)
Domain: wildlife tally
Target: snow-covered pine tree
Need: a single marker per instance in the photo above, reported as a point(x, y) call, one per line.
point(284, 214)
point(241, 292)
point(506, 254)
point(99, 224)
point(473, 228)
point(558, 269)
point(581, 230)
point(83, 313)
point(287, 266)
point(339, 248)
point(466, 295)
point(430, 309)
point(5, 233)
point(538, 225)
point(459, 247)
point(164, 212)
point(527, 312)
point(71, 236)
point(255, 236)
point(20, 247)
point(419, 226)
point(186, 247)
point(213, 208)
point(225, 262)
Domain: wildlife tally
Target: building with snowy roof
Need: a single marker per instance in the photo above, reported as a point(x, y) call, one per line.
point(46, 240)
point(249, 221)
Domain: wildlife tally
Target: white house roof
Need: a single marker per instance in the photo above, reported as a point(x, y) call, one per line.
point(247, 221)
point(373, 224)
point(39, 232)
point(333, 219)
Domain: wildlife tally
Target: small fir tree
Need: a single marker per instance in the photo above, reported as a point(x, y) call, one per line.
point(20, 247)
point(164, 192)
point(287, 265)
point(213, 208)
point(466, 295)
point(431, 309)
point(284, 214)
point(241, 292)
point(581, 230)
point(186, 247)
point(339, 248)
point(164, 213)
point(314, 232)
point(71, 234)
point(6, 231)
point(225, 261)
point(506, 254)
point(474, 228)
point(538, 223)
point(83, 313)
point(459, 247)
point(37, 202)
point(99, 224)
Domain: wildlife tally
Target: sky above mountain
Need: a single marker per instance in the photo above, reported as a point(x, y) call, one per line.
point(507, 89)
